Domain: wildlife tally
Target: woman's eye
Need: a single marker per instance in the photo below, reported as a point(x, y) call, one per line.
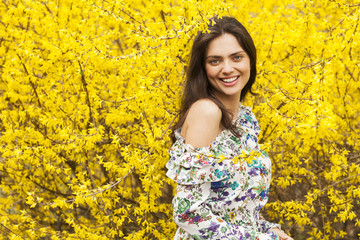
point(214, 61)
point(238, 57)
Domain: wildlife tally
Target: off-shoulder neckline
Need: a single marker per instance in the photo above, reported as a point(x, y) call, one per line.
point(223, 133)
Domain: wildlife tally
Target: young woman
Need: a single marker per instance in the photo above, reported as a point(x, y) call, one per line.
point(217, 197)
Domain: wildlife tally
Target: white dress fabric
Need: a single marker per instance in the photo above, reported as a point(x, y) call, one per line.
point(216, 197)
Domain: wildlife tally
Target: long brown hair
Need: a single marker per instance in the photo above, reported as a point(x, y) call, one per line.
point(197, 85)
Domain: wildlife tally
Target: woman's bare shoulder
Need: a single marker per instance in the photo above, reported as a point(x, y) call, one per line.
point(205, 107)
point(202, 123)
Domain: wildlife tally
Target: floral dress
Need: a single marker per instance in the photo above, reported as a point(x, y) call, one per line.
point(217, 197)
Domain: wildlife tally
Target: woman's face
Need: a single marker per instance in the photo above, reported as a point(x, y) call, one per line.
point(227, 66)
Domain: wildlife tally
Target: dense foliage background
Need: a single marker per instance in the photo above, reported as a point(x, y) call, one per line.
point(89, 89)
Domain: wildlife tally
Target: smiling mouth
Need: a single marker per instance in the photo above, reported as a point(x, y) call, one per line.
point(228, 80)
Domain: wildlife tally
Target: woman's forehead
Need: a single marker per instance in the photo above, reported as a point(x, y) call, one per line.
point(223, 45)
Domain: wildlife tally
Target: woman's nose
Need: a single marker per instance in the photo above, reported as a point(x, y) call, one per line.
point(227, 67)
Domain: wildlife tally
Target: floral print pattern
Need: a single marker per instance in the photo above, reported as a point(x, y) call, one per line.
point(221, 199)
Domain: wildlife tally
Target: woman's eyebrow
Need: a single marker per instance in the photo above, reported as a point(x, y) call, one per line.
point(215, 56)
point(237, 53)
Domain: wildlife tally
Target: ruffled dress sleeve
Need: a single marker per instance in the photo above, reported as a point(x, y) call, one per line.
point(194, 169)
point(189, 166)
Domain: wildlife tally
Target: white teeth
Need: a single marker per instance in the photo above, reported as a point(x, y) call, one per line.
point(229, 79)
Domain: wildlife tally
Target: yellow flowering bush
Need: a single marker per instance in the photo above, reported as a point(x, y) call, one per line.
point(90, 88)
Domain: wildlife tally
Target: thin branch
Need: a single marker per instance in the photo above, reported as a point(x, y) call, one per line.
point(293, 98)
point(350, 73)
point(355, 157)
point(130, 55)
point(89, 171)
point(36, 94)
point(9, 230)
point(277, 111)
point(147, 121)
point(31, 83)
point(98, 191)
point(336, 183)
point(91, 119)
point(47, 8)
